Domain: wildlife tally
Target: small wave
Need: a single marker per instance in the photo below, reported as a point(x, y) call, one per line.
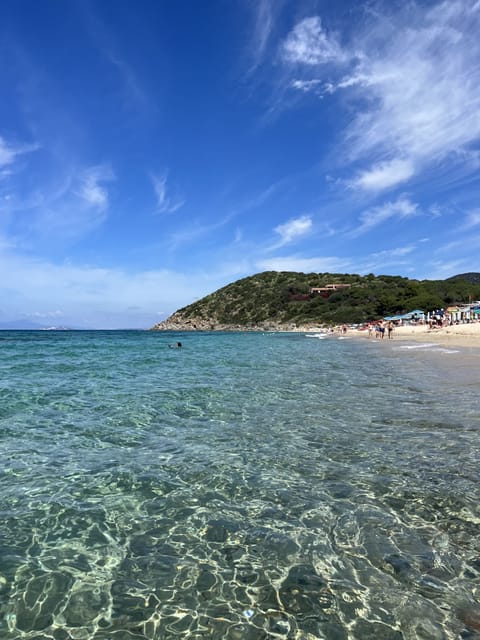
point(421, 345)
point(443, 350)
point(431, 346)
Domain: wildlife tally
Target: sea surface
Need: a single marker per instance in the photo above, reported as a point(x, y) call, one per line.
point(245, 486)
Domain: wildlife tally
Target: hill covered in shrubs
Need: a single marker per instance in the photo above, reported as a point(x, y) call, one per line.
point(286, 299)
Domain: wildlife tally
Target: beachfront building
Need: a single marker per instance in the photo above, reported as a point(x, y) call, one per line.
point(458, 314)
point(328, 289)
point(464, 313)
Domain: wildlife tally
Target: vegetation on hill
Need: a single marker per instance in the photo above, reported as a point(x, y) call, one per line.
point(285, 298)
point(472, 277)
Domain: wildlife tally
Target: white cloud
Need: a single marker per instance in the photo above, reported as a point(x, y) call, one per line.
point(381, 260)
point(92, 296)
point(472, 219)
point(400, 208)
point(306, 265)
point(44, 201)
point(384, 175)
point(426, 103)
point(292, 230)
point(165, 203)
point(263, 196)
point(398, 252)
point(104, 37)
point(435, 211)
point(466, 246)
point(417, 77)
point(309, 44)
point(264, 20)
point(47, 314)
point(91, 190)
point(307, 86)
point(446, 269)
point(9, 153)
point(189, 234)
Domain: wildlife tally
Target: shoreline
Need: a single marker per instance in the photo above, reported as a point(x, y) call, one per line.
point(462, 335)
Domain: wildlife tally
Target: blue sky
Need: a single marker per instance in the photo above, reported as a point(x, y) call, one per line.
point(154, 151)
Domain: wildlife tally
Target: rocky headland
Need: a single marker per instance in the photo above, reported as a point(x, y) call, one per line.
point(178, 322)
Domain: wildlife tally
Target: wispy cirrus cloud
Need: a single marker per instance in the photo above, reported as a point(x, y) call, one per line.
point(299, 263)
point(397, 252)
point(416, 75)
point(398, 209)
point(7, 153)
point(395, 257)
point(165, 202)
point(264, 21)
point(92, 189)
point(10, 152)
point(401, 258)
point(308, 43)
point(472, 219)
point(308, 86)
point(198, 229)
point(57, 205)
point(292, 230)
point(442, 269)
point(384, 175)
point(104, 38)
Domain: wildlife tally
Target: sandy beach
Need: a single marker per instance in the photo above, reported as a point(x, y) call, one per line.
point(461, 335)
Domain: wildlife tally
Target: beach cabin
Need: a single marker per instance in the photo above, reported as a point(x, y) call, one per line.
point(464, 313)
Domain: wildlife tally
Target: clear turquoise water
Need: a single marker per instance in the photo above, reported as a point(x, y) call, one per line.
point(245, 486)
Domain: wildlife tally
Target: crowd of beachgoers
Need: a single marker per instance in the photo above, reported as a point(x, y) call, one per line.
point(436, 329)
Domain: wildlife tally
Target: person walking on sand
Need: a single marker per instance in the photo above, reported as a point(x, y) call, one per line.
point(390, 330)
point(381, 328)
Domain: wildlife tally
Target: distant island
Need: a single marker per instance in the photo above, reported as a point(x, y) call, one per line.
point(286, 300)
point(56, 329)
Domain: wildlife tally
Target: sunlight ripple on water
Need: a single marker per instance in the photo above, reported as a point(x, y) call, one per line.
point(246, 486)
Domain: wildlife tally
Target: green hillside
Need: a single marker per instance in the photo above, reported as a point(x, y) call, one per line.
point(472, 277)
point(285, 298)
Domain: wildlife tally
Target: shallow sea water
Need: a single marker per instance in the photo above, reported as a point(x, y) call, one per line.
point(246, 486)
